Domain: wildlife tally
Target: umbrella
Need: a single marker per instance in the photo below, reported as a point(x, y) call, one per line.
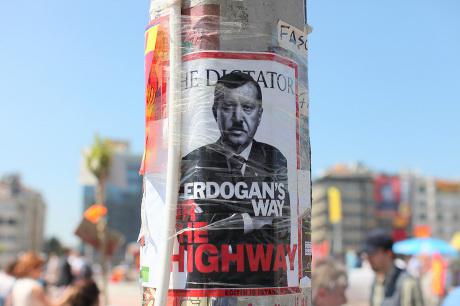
point(424, 246)
point(453, 298)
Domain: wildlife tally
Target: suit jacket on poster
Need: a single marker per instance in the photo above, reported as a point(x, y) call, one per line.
point(212, 163)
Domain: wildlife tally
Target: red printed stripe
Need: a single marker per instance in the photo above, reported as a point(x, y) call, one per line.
point(234, 292)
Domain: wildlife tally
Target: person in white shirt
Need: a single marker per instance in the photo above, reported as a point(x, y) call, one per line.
point(27, 291)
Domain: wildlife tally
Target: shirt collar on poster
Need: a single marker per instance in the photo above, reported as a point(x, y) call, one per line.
point(246, 152)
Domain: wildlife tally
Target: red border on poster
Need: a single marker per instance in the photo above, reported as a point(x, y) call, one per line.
point(250, 291)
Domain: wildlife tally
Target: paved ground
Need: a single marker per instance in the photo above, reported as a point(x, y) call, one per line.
point(129, 293)
point(125, 294)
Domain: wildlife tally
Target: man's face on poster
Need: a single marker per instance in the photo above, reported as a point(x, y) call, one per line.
point(238, 114)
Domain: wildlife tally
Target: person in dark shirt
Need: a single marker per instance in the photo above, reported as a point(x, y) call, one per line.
point(65, 270)
point(392, 285)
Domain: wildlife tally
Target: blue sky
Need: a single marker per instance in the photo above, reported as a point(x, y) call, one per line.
point(383, 86)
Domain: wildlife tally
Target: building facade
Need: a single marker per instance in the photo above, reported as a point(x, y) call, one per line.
point(123, 194)
point(447, 207)
point(22, 217)
point(405, 204)
point(437, 207)
point(355, 184)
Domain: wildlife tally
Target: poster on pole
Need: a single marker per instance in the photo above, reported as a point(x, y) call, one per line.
point(242, 221)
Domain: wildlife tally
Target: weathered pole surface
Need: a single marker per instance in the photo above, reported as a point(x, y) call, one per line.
point(226, 207)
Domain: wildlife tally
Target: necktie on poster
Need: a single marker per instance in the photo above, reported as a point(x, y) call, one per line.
point(237, 165)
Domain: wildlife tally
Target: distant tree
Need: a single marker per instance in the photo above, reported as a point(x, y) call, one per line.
point(53, 245)
point(98, 161)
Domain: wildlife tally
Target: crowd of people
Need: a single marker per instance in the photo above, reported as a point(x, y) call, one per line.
point(67, 280)
point(398, 280)
point(58, 281)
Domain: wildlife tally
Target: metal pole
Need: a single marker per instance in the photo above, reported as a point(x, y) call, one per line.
point(337, 233)
point(102, 236)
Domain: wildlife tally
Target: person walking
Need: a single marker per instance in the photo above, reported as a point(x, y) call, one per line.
point(392, 286)
point(329, 283)
point(27, 290)
point(7, 281)
point(52, 270)
point(65, 277)
point(82, 293)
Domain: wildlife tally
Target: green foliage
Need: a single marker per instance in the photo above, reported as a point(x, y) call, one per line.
point(53, 245)
point(99, 157)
